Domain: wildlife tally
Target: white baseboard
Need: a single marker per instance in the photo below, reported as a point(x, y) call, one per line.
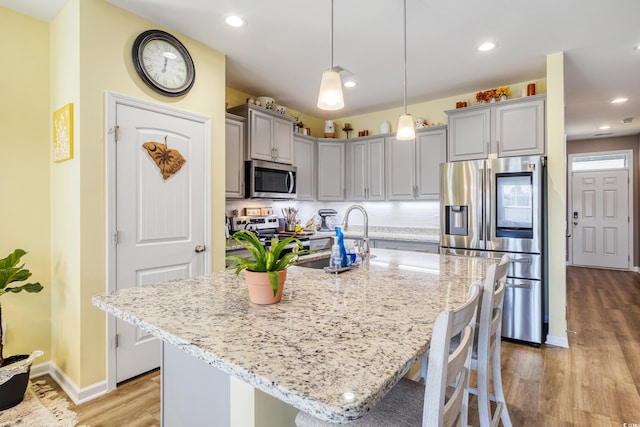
point(76, 394)
point(557, 341)
point(40, 369)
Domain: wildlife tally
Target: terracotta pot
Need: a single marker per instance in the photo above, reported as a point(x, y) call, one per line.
point(260, 290)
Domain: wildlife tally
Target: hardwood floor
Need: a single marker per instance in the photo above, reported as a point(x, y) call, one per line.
point(596, 382)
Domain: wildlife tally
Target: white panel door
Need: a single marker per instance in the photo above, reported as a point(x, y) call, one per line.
point(600, 219)
point(160, 222)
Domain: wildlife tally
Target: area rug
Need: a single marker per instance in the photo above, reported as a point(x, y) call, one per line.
point(42, 406)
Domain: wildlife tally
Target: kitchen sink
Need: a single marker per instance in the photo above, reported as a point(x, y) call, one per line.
point(317, 263)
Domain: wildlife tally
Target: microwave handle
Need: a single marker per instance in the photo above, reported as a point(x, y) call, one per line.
point(290, 178)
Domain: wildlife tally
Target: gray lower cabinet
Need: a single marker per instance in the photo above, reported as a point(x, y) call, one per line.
point(366, 171)
point(304, 158)
point(331, 170)
point(413, 167)
point(403, 245)
point(234, 157)
point(507, 128)
point(324, 243)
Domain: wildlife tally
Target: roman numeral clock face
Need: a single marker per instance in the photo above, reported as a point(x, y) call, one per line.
point(163, 63)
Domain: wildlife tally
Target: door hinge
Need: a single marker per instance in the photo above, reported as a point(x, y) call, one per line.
point(114, 130)
point(117, 340)
point(116, 237)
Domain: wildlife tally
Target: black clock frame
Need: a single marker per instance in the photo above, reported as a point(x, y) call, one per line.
point(139, 44)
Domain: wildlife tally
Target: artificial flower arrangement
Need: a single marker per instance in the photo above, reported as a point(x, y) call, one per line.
point(496, 94)
point(491, 93)
point(503, 91)
point(481, 96)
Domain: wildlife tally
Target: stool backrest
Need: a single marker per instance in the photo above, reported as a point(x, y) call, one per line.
point(445, 368)
point(490, 319)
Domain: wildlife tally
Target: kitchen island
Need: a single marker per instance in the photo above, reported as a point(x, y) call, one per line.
point(333, 347)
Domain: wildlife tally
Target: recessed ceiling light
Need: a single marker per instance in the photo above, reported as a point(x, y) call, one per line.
point(350, 83)
point(636, 47)
point(604, 127)
point(235, 21)
point(619, 100)
point(484, 47)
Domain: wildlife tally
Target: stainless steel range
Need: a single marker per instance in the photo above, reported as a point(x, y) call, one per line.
point(492, 207)
point(265, 227)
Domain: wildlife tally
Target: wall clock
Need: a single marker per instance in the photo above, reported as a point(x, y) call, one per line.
point(163, 63)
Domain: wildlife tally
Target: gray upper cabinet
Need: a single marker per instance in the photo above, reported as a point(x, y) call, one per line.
point(414, 166)
point(469, 134)
point(331, 170)
point(234, 157)
point(366, 169)
point(304, 158)
point(508, 128)
point(269, 135)
point(520, 128)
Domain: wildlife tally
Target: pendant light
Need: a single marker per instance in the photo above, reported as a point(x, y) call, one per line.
point(330, 96)
point(405, 130)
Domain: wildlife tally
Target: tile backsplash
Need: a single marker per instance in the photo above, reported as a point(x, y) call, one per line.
point(423, 214)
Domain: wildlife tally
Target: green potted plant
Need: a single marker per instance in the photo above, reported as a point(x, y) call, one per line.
point(265, 268)
point(14, 370)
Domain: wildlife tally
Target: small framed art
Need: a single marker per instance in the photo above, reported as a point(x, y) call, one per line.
point(63, 133)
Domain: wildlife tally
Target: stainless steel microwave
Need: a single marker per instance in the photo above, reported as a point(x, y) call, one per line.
point(269, 180)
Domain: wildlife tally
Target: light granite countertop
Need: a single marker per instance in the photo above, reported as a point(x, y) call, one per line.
point(405, 234)
point(332, 347)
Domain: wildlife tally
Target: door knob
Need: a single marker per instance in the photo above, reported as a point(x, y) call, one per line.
point(200, 248)
point(575, 222)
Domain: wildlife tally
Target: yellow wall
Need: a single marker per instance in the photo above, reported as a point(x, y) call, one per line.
point(432, 111)
point(65, 199)
point(556, 195)
point(24, 176)
point(236, 97)
point(94, 39)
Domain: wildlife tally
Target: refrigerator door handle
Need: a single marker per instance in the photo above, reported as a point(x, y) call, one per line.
point(481, 210)
point(487, 208)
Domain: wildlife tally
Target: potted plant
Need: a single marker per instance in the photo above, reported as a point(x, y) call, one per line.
point(265, 268)
point(14, 370)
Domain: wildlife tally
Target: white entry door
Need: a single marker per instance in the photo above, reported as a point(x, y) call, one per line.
point(600, 219)
point(160, 219)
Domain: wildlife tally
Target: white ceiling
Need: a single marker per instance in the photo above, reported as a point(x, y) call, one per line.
point(285, 47)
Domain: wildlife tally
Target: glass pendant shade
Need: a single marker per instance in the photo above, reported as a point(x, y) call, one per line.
point(405, 131)
point(330, 96)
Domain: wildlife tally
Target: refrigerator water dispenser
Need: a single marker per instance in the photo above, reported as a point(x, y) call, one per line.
point(456, 220)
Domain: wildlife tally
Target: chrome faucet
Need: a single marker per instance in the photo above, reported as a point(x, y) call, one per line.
point(365, 238)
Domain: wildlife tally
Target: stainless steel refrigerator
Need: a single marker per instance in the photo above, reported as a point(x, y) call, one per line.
point(492, 207)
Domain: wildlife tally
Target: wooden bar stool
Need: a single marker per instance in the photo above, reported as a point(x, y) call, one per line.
point(485, 358)
point(486, 354)
point(412, 404)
